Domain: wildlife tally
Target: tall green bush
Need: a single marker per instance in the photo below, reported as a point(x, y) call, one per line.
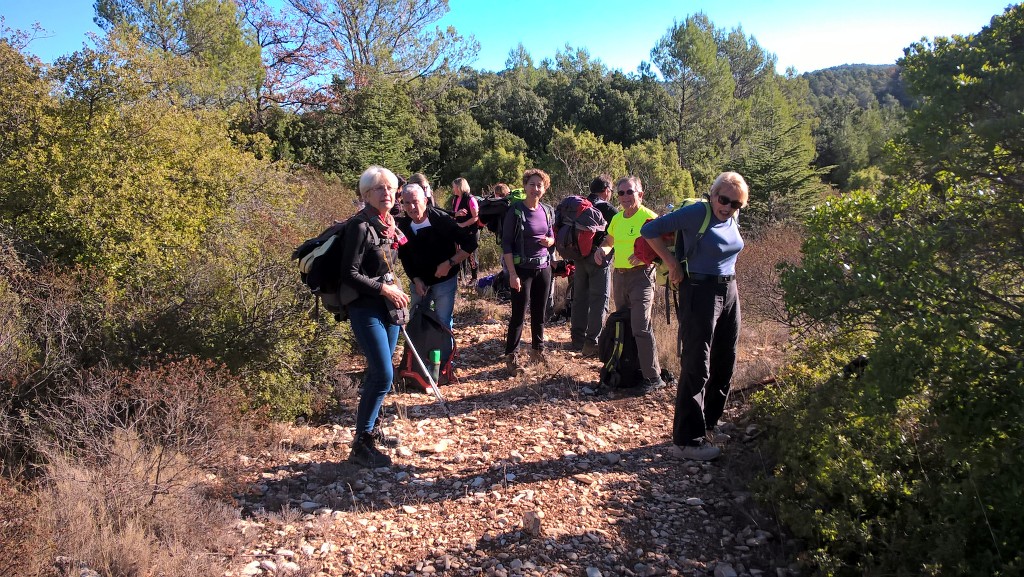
point(916, 467)
point(155, 233)
point(924, 448)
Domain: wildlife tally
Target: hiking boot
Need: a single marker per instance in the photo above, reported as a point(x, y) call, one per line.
point(716, 436)
point(366, 454)
point(648, 386)
point(703, 451)
point(537, 357)
point(590, 350)
point(512, 363)
point(575, 347)
point(379, 438)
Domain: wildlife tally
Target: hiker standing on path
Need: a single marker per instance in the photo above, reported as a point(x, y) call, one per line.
point(431, 257)
point(633, 284)
point(526, 239)
point(369, 268)
point(591, 282)
point(709, 311)
point(467, 213)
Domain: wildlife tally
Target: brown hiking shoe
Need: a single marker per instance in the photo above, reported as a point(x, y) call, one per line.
point(512, 363)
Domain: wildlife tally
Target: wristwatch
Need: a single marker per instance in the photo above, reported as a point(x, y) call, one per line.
point(451, 263)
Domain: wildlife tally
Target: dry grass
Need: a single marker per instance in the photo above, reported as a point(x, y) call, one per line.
point(758, 272)
point(118, 518)
point(17, 529)
point(128, 478)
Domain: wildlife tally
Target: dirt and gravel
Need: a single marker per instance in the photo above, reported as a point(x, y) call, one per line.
point(533, 475)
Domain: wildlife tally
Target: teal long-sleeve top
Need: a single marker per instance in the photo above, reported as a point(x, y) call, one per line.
point(716, 252)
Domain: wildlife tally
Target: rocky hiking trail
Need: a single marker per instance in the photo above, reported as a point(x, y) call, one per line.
point(536, 475)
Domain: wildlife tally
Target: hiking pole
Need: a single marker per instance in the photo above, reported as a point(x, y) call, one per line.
point(430, 378)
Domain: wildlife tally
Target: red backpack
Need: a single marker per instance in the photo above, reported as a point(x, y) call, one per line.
point(576, 223)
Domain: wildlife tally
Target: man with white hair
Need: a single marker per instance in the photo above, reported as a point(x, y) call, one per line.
point(436, 245)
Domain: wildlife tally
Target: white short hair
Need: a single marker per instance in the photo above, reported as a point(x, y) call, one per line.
point(371, 176)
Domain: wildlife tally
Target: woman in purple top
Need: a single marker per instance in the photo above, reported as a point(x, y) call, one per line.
point(526, 241)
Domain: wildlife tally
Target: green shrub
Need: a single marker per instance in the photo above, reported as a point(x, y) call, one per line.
point(916, 466)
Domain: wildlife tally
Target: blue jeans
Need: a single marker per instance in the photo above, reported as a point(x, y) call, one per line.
point(377, 337)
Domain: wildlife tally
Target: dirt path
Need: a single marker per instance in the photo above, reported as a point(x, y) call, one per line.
point(531, 476)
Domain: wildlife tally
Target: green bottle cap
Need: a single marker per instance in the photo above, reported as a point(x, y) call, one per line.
point(435, 356)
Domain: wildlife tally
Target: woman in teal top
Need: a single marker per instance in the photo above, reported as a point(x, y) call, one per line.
point(709, 310)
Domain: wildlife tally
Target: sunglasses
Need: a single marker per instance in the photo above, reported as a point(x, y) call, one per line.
point(630, 192)
point(728, 202)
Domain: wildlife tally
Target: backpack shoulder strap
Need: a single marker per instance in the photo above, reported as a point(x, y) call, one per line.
point(372, 236)
point(519, 219)
point(707, 219)
point(700, 232)
point(549, 213)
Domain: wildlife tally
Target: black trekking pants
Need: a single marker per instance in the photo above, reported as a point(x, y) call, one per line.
point(709, 331)
point(533, 294)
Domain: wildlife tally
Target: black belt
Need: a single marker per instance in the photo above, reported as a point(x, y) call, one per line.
point(720, 279)
point(643, 267)
point(533, 261)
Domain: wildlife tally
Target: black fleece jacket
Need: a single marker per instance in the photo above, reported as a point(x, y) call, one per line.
point(431, 246)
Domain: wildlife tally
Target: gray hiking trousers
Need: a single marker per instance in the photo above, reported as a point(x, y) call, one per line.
point(591, 289)
point(634, 288)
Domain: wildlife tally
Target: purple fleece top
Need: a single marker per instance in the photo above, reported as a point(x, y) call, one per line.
point(535, 227)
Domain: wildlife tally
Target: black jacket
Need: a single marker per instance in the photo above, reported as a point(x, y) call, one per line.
point(433, 245)
point(365, 264)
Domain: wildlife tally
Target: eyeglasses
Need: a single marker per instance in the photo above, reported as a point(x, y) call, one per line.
point(729, 202)
point(630, 192)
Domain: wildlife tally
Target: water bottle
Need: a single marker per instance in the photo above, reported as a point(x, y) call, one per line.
point(435, 365)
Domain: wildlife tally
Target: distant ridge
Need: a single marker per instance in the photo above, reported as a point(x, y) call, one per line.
point(865, 83)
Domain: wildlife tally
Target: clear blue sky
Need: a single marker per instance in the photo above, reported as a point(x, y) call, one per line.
point(805, 34)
